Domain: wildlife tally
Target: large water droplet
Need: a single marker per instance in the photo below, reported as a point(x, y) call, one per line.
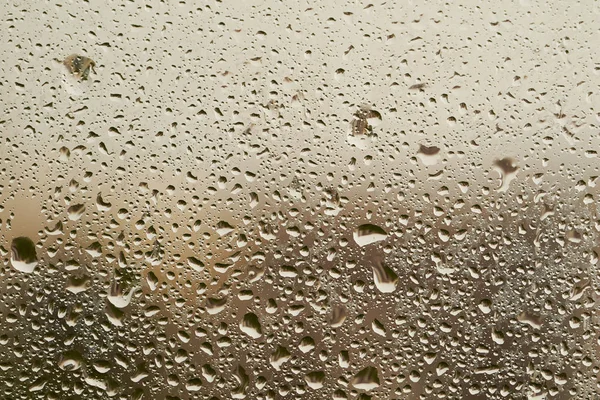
point(338, 316)
point(78, 284)
point(279, 356)
point(79, 66)
point(306, 344)
point(76, 211)
point(70, 361)
point(251, 326)
point(120, 295)
point(368, 233)
point(508, 172)
point(23, 255)
point(366, 379)
point(195, 264)
point(532, 320)
point(215, 305)
point(315, 379)
point(194, 385)
point(224, 228)
point(428, 155)
point(385, 278)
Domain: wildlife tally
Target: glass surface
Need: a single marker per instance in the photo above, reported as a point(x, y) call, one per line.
point(299, 200)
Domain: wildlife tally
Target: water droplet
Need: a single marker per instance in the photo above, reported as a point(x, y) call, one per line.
point(307, 344)
point(94, 249)
point(75, 211)
point(193, 384)
point(70, 361)
point(338, 316)
point(38, 384)
point(279, 356)
point(315, 379)
point(78, 284)
point(361, 133)
point(224, 228)
point(532, 320)
point(366, 379)
point(368, 233)
point(428, 155)
point(508, 172)
point(485, 306)
point(101, 204)
point(120, 295)
point(23, 255)
point(209, 373)
point(251, 326)
point(195, 264)
point(385, 278)
point(215, 306)
point(79, 66)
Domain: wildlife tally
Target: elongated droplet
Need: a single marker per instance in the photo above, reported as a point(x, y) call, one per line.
point(385, 278)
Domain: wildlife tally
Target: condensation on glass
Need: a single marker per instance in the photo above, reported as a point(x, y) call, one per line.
point(299, 200)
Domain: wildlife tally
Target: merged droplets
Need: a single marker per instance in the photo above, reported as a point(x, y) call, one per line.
point(195, 264)
point(77, 284)
point(215, 305)
point(122, 291)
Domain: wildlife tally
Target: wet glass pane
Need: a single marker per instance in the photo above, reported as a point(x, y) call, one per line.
point(299, 200)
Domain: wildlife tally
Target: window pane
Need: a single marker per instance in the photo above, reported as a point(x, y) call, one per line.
point(295, 200)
